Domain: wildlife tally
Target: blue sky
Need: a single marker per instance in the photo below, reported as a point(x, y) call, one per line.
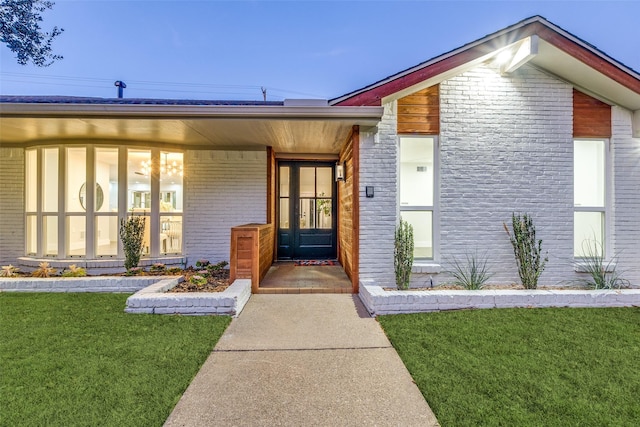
point(296, 49)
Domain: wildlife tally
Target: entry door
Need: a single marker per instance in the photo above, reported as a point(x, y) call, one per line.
point(307, 211)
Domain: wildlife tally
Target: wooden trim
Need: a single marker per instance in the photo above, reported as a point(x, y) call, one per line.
point(591, 117)
point(272, 196)
point(435, 67)
point(355, 261)
point(419, 113)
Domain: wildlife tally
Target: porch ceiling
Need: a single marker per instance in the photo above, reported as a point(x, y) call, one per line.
point(320, 130)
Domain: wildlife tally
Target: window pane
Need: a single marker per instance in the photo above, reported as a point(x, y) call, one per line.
point(324, 213)
point(307, 182)
point(106, 180)
point(76, 242)
point(50, 180)
point(146, 239)
point(284, 181)
point(106, 239)
point(170, 234)
point(416, 171)
point(31, 181)
point(171, 190)
point(284, 213)
point(76, 176)
point(139, 181)
point(50, 235)
point(422, 222)
point(589, 169)
point(588, 233)
point(307, 213)
point(32, 234)
point(324, 183)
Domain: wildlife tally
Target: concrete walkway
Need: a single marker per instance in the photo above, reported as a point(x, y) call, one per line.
point(303, 360)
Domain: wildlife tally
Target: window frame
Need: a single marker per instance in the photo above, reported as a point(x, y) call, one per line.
point(607, 244)
point(435, 207)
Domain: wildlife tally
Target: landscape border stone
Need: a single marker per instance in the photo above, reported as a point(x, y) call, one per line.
point(380, 302)
point(122, 284)
point(155, 299)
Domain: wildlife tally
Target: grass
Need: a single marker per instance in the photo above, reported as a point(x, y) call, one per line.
point(524, 367)
point(78, 359)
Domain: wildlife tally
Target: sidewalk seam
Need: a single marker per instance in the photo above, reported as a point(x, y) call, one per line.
point(299, 349)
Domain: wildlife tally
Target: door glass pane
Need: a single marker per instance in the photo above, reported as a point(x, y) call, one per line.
point(50, 180)
point(171, 190)
point(324, 213)
point(31, 180)
point(106, 238)
point(106, 180)
point(32, 234)
point(76, 176)
point(50, 235)
point(307, 213)
point(422, 232)
point(324, 182)
point(284, 213)
point(284, 181)
point(307, 182)
point(170, 234)
point(416, 171)
point(588, 234)
point(76, 229)
point(139, 181)
point(589, 173)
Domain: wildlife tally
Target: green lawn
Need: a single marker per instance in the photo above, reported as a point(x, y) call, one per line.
point(78, 359)
point(524, 367)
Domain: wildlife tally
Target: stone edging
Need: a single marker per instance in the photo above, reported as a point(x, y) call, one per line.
point(77, 284)
point(155, 300)
point(379, 302)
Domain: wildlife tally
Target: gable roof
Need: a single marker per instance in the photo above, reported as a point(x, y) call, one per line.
point(560, 53)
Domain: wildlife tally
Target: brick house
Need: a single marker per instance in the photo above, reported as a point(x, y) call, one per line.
point(529, 119)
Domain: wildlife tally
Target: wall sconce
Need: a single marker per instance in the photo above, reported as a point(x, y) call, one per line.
point(340, 171)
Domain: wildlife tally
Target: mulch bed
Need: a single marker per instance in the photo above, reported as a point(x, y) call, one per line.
point(217, 281)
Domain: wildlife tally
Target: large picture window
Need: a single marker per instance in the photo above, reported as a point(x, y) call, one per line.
point(75, 197)
point(590, 197)
point(417, 190)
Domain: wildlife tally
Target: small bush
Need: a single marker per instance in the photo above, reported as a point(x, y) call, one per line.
point(602, 274)
point(202, 263)
point(158, 267)
point(134, 271)
point(472, 273)
point(9, 271)
point(174, 270)
point(198, 280)
point(132, 236)
point(74, 271)
point(403, 254)
point(44, 270)
point(217, 267)
point(527, 249)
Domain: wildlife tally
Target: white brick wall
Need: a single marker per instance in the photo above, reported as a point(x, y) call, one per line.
point(626, 195)
point(223, 189)
point(506, 146)
point(11, 205)
point(378, 168)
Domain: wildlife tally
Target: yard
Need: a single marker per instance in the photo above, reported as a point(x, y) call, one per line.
point(525, 367)
point(78, 359)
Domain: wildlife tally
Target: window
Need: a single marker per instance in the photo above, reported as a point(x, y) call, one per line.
point(76, 195)
point(589, 160)
point(417, 195)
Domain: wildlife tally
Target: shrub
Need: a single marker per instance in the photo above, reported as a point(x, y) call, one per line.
point(132, 236)
point(174, 270)
point(198, 280)
point(202, 263)
point(602, 274)
point(403, 254)
point(9, 271)
point(134, 271)
point(44, 270)
point(527, 249)
point(74, 271)
point(472, 273)
point(217, 267)
point(158, 267)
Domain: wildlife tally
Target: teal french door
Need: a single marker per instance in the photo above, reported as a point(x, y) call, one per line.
point(306, 210)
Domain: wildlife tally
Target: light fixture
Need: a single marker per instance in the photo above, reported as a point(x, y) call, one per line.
point(340, 171)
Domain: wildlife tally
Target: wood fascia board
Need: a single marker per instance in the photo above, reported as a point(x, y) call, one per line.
point(430, 71)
